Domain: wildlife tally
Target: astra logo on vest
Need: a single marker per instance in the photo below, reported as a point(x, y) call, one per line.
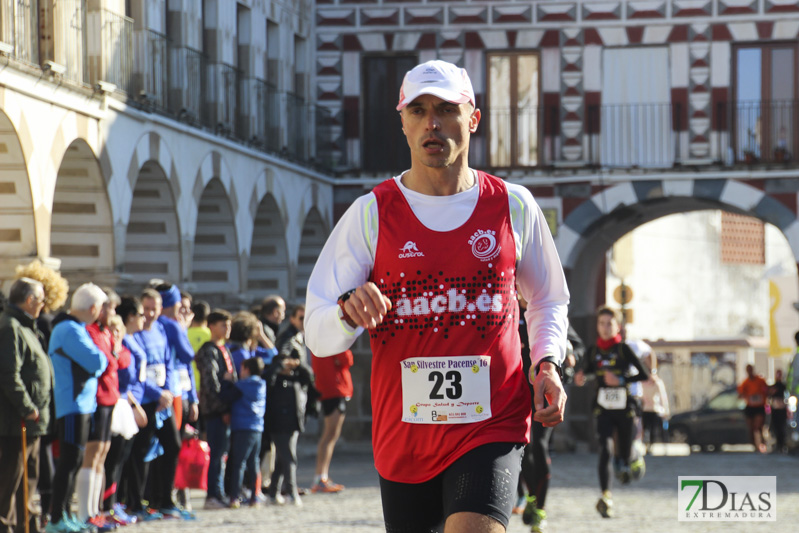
point(484, 245)
point(410, 250)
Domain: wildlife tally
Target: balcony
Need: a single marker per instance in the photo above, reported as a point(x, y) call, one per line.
point(635, 136)
point(151, 67)
point(187, 85)
point(19, 27)
point(93, 44)
point(180, 82)
point(116, 46)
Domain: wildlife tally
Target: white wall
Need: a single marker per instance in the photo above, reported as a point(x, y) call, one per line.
point(682, 290)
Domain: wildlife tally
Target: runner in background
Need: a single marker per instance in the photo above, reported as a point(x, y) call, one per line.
point(609, 361)
point(754, 390)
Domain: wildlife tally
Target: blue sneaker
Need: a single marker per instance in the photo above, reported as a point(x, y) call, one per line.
point(176, 512)
point(148, 515)
point(118, 513)
point(62, 526)
point(76, 523)
point(170, 512)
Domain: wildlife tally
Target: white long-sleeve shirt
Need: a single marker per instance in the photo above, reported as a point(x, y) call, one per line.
point(348, 256)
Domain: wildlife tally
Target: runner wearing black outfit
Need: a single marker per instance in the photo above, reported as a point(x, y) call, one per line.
point(610, 360)
point(779, 411)
point(536, 460)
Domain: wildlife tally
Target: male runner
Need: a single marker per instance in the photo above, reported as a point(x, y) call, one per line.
point(428, 263)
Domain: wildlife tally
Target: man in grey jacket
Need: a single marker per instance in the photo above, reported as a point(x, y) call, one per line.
point(26, 388)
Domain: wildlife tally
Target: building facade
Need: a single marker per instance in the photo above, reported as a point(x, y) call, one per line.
point(162, 139)
point(613, 113)
point(647, 84)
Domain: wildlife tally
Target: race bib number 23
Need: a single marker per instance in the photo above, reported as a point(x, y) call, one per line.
point(446, 390)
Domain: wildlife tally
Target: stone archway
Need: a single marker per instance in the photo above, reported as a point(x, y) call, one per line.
point(215, 264)
point(152, 241)
point(17, 224)
point(268, 270)
point(82, 232)
point(314, 235)
point(594, 226)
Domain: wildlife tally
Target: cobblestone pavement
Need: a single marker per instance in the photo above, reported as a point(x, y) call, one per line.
point(649, 505)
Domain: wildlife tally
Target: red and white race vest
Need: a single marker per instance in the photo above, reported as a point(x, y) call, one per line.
point(446, 369)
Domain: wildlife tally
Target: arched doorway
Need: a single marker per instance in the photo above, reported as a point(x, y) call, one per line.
point(313, 239)
point(152, 241)
point(590, 230)
point(81, 229)
point(268, 271)
point(215, 266)
point(695, 287)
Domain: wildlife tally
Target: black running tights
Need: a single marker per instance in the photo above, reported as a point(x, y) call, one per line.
point(623, 422)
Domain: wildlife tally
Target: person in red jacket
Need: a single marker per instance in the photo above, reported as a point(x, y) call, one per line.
point(754, 390)
point(90, 482)
point(334, 383)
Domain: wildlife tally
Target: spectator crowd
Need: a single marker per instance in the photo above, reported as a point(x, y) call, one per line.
point(110, 405)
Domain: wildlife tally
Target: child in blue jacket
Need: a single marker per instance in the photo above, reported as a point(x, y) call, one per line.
point(248, 399)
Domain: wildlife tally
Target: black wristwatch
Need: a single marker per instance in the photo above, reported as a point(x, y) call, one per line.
point(341, 299)
point(549, 359)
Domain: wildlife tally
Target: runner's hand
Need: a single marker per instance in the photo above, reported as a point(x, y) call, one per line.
point(165, 400)
point(367, 306)
point(547, 385)
point(194, 412)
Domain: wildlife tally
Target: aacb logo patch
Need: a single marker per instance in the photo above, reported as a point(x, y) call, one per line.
point(727, 499)
point(484, 245)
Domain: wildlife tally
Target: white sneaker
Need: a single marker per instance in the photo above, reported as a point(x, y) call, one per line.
point(277, 500)
point(296, 501)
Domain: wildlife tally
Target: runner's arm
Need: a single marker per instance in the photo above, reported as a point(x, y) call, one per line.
point(540, 279)
point(643, 373)
point(345, 263)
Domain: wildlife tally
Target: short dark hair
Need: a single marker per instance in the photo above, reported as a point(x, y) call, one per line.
point(129, 305)
point(163, 287)
point(218, 315)
point(271, 303)
point(200, 308)
point(296, 309)
point(244, 327)
point(612, 313)
point(255, 365)
point(21, 289)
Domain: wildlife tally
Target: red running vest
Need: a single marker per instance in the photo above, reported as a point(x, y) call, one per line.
point(108, 382)
point(452, 294)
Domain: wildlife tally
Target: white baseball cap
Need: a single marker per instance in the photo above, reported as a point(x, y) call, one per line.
point(439, 78)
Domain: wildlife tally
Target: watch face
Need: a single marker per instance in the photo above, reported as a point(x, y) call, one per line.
point(344, 297)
